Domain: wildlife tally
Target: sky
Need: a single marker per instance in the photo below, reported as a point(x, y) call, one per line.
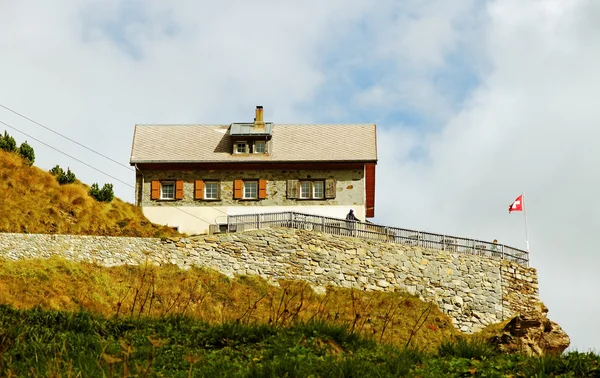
point(475, 103)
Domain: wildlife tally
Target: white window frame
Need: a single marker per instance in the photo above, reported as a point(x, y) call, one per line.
point(206, 184)
point(314, 196)
point(305, 194)
point(162, 193)
point(311, 190)
point(260, 142)
point(237, 145)
point(255, 182)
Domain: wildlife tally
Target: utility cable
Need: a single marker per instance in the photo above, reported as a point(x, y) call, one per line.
point(79, 144)
point(64, 153)
point(66, 137)
point(90, 166)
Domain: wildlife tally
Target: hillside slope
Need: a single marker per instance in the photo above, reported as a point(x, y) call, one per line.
point(159, 291)
point(32, 201)
point(65, 319)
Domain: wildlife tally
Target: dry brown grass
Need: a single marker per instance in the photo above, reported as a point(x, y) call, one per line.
point(32, 201)
point(147, 290)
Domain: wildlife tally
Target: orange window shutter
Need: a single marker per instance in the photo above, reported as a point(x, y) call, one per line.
point(262, 189)
point(179, 189)
point(370, 190)
point(199, 189)
point(155, 190)
point(238, 186)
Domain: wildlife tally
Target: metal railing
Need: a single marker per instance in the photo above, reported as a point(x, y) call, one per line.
point(371, 231)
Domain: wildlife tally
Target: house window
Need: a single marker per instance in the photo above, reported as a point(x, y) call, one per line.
point(311, 189)
point(305, 189)
point(318, 189)
point(241, 148)
point(259, 147)
point(167, 190)
point(250, 189)
point(211, 190)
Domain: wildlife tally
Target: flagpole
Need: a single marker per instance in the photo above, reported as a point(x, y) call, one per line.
point(526, 229)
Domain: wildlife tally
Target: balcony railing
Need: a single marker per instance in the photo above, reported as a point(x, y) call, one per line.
point(371, 231)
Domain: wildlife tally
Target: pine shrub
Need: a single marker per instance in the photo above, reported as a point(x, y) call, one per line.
point(106, 194)
point(7, 143)
point(63, 177)
point(27, 152)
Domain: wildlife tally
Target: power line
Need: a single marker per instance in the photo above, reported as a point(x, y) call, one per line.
point(64, 153)
point(79, 144)
point(90, 166)
point(66, 137)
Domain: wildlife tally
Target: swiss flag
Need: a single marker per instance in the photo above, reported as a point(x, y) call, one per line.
point(517, 205)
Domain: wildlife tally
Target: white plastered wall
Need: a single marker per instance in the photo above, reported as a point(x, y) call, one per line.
point(196, 219)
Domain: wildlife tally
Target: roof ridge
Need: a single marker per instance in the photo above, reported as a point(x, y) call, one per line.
point(249, 123)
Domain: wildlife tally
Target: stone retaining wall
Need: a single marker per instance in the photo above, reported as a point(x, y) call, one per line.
point(474, 291)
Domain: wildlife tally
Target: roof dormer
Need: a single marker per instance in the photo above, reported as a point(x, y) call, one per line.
point(251, 138)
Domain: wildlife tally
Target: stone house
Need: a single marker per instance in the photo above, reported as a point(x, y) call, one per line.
point(191, 176)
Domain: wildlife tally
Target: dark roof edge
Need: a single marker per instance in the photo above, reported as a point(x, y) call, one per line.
point(273, 123)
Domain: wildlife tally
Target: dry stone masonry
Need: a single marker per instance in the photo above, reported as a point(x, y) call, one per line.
point(474, 291)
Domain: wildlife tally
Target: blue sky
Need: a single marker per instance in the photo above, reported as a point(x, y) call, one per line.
point(475, 102)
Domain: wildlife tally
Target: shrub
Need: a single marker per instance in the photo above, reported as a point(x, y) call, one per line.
point(27, 152)
point(62, 177)
point(106, 194)
point(7, 143)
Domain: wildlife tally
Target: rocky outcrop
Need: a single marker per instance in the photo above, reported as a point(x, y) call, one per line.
point(532, 333)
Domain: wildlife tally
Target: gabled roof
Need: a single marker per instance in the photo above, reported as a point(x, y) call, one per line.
point(290, 143)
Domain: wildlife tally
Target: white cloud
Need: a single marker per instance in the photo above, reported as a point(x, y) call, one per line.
point(413, 43)
point(531, 126)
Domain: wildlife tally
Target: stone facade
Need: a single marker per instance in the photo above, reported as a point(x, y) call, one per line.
point(474, 291)
point(350, 187)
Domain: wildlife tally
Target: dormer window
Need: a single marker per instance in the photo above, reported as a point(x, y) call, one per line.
point(260, 147)
point(241, 147)
point(251, 137)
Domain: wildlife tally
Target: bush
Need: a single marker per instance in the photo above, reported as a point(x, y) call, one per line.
point(7, 143)
point(106, 194)
point(27, 152)
point(62, 177)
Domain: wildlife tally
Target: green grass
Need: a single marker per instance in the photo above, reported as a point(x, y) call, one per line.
point(463, 348)
point(41, 343)
point(155, 291)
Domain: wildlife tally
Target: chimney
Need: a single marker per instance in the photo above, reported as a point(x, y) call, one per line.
point(259, 123)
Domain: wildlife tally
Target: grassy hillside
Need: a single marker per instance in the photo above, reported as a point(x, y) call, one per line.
point(61, 319)
point(39, 343)
point(32, 201)
point(151, 291)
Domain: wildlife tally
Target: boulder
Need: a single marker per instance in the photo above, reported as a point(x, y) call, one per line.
point(533, 334)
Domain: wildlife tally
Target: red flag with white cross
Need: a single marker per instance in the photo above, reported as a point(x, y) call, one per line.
point(517, 204)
